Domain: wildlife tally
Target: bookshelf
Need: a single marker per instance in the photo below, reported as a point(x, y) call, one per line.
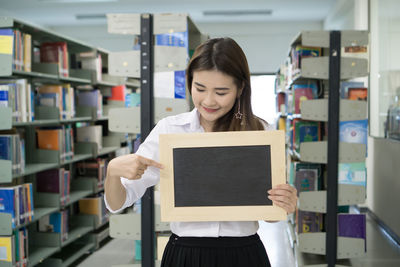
point(86, 231)
point(326, 68)
point(154, 57)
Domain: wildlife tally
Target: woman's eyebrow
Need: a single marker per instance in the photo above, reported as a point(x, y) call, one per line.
point(199, 84)
point(216, 88)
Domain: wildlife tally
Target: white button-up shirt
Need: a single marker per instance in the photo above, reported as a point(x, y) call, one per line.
point(188, 122)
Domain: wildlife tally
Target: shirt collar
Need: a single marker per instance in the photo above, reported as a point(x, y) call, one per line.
point(191, 118)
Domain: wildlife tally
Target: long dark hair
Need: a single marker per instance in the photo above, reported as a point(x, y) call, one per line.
point(226, 56)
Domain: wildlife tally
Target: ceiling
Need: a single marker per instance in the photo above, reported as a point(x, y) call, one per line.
point(92, 12)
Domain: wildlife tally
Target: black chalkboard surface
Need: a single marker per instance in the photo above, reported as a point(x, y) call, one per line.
point(222, 176)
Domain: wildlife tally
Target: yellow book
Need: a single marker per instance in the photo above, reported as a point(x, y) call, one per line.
point(27, 52)
point(6, 248)
point(90, 206)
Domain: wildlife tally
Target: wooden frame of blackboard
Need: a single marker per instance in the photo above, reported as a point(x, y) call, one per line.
point(168, 142)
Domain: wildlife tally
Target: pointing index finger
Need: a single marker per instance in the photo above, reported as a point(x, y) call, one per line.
point(150, 162)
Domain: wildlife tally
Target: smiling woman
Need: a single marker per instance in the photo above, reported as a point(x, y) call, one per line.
point(219, 81)
point(220, 67)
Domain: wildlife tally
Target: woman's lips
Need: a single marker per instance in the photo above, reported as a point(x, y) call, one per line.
point(210, 109)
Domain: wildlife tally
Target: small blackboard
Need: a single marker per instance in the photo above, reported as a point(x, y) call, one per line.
point(222, 176)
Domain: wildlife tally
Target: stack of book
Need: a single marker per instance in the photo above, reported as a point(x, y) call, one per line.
point(300, 52)
point(56, 222)
point(18, 202)
point(20, 44)
point(59, 96)
point(93, 168)
point(55, 181)
point(56, 52)
point(91, 61)
point(14, 248)
point(59, 138)
point(18, 95)
point(12, 148)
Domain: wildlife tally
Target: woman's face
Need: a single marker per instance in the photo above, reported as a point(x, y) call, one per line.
point(214, 94)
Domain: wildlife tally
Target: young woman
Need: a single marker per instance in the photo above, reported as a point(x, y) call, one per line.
point(218, 79)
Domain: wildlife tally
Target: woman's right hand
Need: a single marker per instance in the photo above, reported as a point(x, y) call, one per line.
point(130, 166)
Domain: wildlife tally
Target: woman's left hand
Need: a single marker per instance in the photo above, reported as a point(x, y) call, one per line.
point(284, 196)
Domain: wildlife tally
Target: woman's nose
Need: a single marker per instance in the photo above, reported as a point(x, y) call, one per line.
point(209, 100)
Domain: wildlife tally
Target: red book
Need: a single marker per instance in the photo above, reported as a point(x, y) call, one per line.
point(55, 52)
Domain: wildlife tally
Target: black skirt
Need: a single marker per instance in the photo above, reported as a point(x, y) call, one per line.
point(246, 251)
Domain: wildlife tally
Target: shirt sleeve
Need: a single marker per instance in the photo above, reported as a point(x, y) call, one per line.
point(135, 189)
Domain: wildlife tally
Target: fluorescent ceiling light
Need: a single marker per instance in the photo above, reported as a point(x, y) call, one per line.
point(254, 12)
point(76, 1)
point(90, 16)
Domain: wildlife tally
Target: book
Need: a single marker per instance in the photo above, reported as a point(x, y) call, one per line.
point(344, 88)
point(8, 199)
point(91, 99)
point(55, 223)
point(12, 149)
point(54, 181)
point(15, 94)
point(305, 131)
point(7, 246)
point(4, 96)
point(52, 89)
point(353, 225)
point(303, 92)
point(353, 131)
point(308, 222)
point(353, 173)
point(91, 61)
point(306, 180)
point(49, 139)
point(118, 93)
point(7, 44)
point(93, 168)
point(27, 58)
point(90, 134)
point(355, 93)
point(132, 100)
point(56, 52)
point(300, 52)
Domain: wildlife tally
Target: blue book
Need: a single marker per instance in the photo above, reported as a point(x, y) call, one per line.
point(7, 203)
point(353, 131)
point(178, 39)
point(353, 173)
point(4, 95)
point(6, 147)
point(180, 84)
point(88, 98)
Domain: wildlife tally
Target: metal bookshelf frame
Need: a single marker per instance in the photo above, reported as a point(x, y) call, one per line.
point(333, 147)
point(147, 123)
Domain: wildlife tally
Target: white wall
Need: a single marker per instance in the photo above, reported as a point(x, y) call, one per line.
point(265, 44)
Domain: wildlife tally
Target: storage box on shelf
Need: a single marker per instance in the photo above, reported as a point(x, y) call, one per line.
point(317, 68)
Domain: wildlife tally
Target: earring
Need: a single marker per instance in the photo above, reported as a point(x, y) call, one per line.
point(238, 114)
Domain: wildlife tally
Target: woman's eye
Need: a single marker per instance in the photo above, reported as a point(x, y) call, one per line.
point(200, 90)
point(221, 94)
